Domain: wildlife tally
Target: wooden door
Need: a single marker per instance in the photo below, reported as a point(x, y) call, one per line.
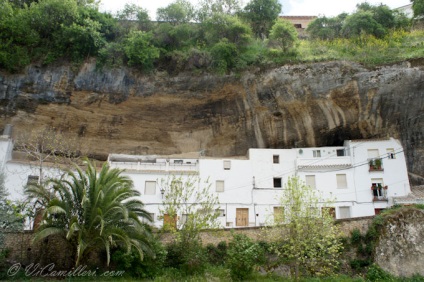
point(242, 217)
point(169, 222)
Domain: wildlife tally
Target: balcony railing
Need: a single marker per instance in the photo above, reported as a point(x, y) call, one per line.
point(379, 193)
point(165, 166)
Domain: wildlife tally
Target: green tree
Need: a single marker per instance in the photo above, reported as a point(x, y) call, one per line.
point(181, 11)
point(207, 8)
point(94, 210)
point(418, 8)
point(325, 28)
point(221, 26)
point(132, 12)
point(303, 234)
point(261, 14)
point(78, 41)
point(362, 22)
point(283, 34)
point(188, 207)
point(139, 50)
point(242, 256)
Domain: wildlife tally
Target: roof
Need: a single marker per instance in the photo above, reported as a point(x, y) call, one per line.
point(299, 17)
point(416, 196)
point(370, 140)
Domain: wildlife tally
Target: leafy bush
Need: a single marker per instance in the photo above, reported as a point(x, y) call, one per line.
point(140, 51)
point(355, 237)
point(225, 55)
point(150, 267)
point(188, 261)
point(242, 256)
point(218, 253)
point(375, 273)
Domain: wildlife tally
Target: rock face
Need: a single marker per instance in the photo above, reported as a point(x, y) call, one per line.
point(122, 111)
point(400, 249)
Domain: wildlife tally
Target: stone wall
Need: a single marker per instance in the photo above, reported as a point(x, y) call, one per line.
point(59, 251)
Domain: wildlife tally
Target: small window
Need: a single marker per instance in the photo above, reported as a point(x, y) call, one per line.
point(220, 186)
point(310, 181)
point(32, 179)
point(221, 212)
point(344, 212)
point(227, 165)
point(317, 153)
point(341, 181)
point(178, 161)
point(277, 182)
point(276, 159)
point(150, 188)
point(341, 153)
point(373, 153)
point(391, 154)
point(298, 25)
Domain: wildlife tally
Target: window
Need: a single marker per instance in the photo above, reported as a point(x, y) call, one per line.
point(32, 179)
point(298, 25)
point(221, 212)
point(277, 182)
point(310, 181)
point(178, 161)
point(276, 159)
point(330, 211)
point(344, 212)
point(227, 165)
point(377, 188)
point(373, 153)
point(317, 153)
point(220, 186)
point(341, 152)
point(150, 188)
point(341, 181)
point(391, 154)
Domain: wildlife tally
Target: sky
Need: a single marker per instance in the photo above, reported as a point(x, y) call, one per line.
point(327, 8)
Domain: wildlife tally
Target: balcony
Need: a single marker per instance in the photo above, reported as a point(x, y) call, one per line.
point(379, 193)
point(375, 165)
point(157, 166)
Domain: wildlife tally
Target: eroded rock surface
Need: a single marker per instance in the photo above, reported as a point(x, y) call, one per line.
point(400, 249)
point(122, 111)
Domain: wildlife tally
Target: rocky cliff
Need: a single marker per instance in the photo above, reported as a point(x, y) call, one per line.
point(318, 104)
point(400, 248)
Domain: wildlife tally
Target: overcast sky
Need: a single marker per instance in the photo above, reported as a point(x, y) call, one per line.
point(290, 7)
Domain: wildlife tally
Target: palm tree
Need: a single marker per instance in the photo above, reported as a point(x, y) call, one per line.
point(94, 210)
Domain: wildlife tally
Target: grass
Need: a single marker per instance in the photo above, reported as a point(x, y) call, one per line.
point(368, 50)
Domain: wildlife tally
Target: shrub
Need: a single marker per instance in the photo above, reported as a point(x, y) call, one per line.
point(150, 267)
point(218, 253)
point(242, 256)
point(355, 237)
point(189, 261)
point(375, 273)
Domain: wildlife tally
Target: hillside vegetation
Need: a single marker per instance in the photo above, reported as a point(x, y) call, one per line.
point(213, 36)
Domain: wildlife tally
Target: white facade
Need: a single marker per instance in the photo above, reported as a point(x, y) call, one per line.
point(248, 189)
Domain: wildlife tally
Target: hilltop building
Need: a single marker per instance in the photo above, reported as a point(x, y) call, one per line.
point(362, 176)
point(300, 23)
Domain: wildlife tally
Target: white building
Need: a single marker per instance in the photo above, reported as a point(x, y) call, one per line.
point(363, 177)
